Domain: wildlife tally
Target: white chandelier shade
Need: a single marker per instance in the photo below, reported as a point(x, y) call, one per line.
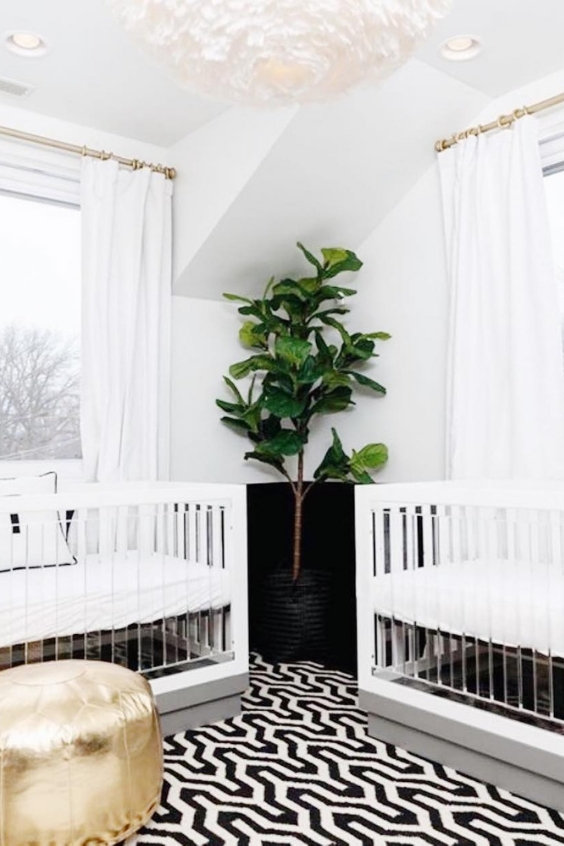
point(279, 52)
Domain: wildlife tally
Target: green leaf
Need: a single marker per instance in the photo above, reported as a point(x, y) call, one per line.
point(373, 455)
point(330, 321)
point(292, 350)
point(333, 292)
point(272, 460)
point(234, 388)
point(362, 349)
point(230, 407)
point(269, 427)
point(251, 310)
point(381, 336)
point(286, 442)
point(236, 298)
point(251, 390)
point(281, 404)
point(309, 285)
point(328, 312)
point(361, 476)
point(370, 456)
point(293, 305)
point(366, 382)
point(338, 260)
point(334, 256)
point(335, 463)
point(288, 287)
point(325, 354)
point(310, 371)
point(334, 378)
point(239, 425)
point(252, 417)
point(256, 362)
point(250, 335)
point(334, 400)
point(279, 378)
point(310, 257)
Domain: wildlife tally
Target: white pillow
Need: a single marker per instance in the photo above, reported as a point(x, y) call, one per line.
point(31, 539)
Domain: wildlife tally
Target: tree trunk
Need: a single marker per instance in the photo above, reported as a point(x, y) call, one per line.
point(298, 519)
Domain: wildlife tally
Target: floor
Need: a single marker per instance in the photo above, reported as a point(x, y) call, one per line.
point(298, 768)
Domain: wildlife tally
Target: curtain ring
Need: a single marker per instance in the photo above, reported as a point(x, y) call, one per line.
point(505, 121)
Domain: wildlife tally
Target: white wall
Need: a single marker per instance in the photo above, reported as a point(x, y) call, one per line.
point(204, 345)
point(214, 163)
point(403, 291)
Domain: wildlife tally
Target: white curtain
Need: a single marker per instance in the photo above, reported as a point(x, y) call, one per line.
point(505, 393)
point(126, 245)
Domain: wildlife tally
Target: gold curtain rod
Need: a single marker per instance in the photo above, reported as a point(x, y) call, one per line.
point(501, 123)
point(135, 164)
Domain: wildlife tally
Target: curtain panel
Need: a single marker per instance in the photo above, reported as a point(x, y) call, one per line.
point(126, 247)
point(505, 391)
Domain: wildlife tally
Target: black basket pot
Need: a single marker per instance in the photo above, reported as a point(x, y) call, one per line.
point(294, 616)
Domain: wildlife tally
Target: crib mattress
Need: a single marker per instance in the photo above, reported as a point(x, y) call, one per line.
point(97, 594)
point(516, 603)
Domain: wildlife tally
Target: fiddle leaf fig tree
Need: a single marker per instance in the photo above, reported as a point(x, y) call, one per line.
point(304, 363)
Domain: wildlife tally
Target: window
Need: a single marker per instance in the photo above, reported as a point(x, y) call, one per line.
point(39, 329)
point(554, 186)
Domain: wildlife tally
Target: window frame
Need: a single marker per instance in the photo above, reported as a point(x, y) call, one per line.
point(67, 469)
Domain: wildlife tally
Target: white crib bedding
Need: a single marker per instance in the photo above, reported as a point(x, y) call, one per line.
point(98, 594)
point(515, 603)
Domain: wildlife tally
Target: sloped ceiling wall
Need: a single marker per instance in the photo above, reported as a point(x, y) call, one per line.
point(329, 175)
point(328, 179)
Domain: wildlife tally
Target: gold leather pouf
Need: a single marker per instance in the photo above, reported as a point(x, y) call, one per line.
point(80, 754)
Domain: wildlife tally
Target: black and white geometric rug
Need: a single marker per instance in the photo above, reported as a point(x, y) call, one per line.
point(297, 767)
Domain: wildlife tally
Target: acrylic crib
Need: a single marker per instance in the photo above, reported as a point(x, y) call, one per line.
point(151, 576)
point(460, 595)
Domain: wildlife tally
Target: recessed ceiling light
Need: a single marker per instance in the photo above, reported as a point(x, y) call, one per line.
point(461, 47)
point(25, 43)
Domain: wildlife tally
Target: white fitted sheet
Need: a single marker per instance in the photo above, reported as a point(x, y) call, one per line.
point(516, 603)
point(97, 594)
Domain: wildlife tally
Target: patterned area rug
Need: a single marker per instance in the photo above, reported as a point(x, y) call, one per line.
point(299, 768)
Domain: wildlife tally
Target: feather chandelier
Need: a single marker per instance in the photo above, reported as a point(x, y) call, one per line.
point(278, 52)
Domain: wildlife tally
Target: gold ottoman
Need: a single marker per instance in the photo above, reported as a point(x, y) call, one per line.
point(80, 754)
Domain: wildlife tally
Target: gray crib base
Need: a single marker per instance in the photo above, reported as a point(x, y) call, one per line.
point(532, 773)
point(201, 704)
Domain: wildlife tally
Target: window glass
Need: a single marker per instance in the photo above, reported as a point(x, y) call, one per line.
point(39, 330)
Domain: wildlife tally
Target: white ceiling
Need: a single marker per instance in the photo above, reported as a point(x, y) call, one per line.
point(522, 42)
point(95, 76)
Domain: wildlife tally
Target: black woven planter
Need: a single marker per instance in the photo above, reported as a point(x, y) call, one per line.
point(295, 616)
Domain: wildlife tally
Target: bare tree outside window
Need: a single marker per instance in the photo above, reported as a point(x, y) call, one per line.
point(39, 394)
point(40, 322)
